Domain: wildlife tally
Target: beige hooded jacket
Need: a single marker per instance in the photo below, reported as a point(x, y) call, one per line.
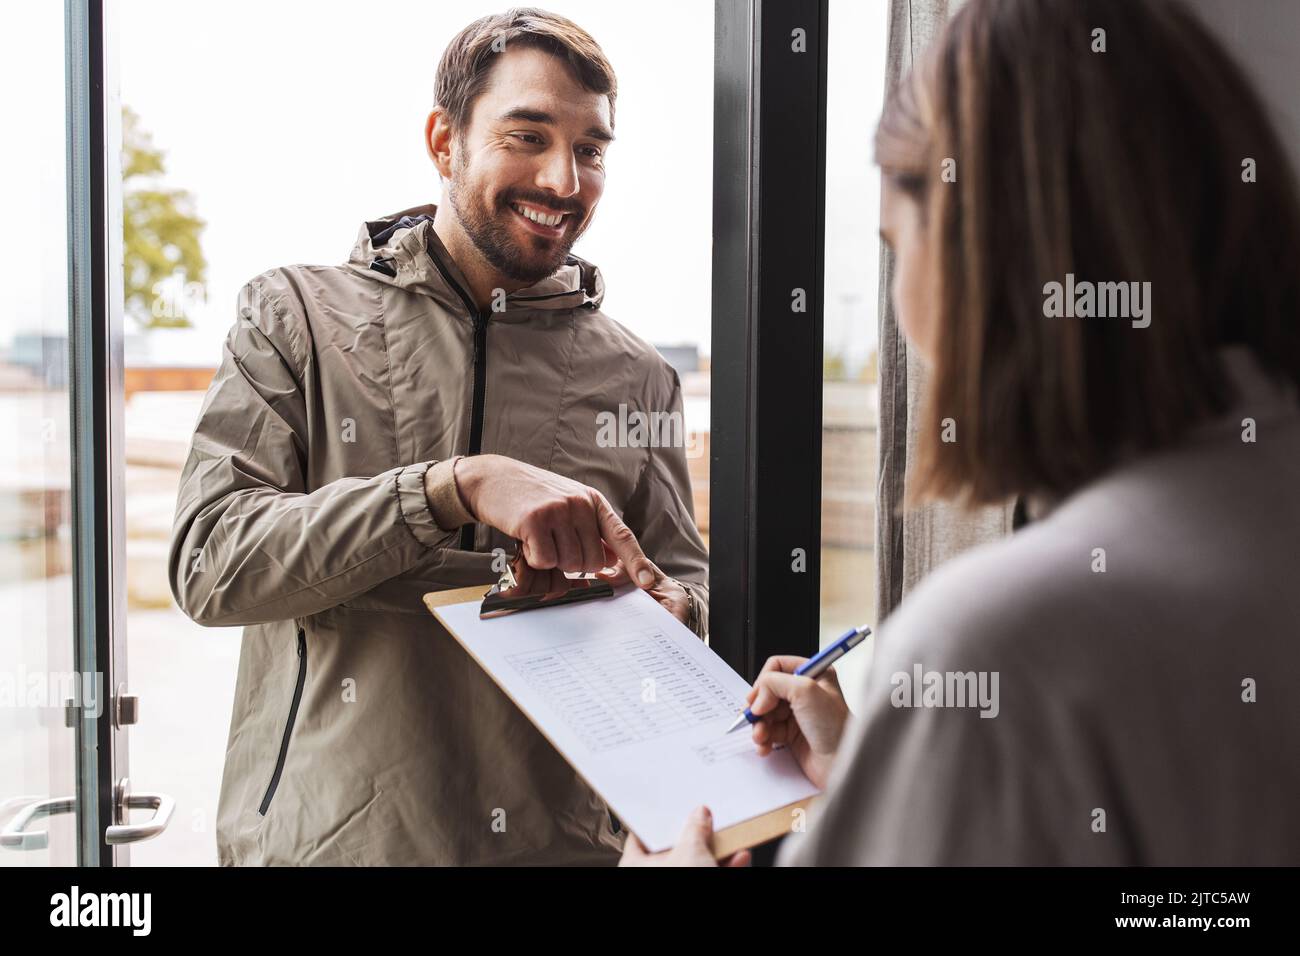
point(361, 732)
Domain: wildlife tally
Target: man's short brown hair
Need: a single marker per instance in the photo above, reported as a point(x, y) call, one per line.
point(469, 58)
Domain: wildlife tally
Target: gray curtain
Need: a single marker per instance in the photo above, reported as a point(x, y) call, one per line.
point(910, 544)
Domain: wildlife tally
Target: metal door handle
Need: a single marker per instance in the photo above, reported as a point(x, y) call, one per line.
point(16, 836)
point(160, 803)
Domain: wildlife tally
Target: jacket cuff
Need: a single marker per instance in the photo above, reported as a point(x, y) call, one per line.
point(449, 511)
point(414, 506)
point(701, 596)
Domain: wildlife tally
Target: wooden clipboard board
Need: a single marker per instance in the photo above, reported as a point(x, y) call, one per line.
point(740, 836)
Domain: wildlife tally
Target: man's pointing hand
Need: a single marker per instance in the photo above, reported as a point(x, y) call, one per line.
point(560, 523)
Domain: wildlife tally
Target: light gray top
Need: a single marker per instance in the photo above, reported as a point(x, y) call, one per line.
point(1120, 692)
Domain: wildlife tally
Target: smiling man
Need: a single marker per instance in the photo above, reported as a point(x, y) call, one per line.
point(394, 425)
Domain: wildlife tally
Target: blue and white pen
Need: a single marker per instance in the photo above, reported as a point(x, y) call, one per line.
point(815, 666)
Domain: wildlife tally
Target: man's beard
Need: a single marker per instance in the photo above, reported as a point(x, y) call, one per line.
point(488, 230)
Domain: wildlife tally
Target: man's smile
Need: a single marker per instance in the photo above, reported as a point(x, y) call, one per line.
point(540, 220)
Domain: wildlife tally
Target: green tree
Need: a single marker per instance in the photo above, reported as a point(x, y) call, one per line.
point(162, 260)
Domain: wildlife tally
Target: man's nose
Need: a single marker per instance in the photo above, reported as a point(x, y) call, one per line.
point(559, 173)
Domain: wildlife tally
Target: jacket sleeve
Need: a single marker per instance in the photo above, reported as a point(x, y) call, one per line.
point(250, 542)
point(661, 511)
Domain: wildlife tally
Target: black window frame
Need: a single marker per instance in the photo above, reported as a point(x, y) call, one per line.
point(768, 235)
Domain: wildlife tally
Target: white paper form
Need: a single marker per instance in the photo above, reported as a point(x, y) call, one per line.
point(638, 705)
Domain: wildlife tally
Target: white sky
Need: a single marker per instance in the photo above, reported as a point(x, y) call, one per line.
point(33, 244)
point(292, 122)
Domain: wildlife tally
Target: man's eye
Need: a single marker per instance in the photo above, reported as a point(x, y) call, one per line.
point(591, 152)
point(530, 138)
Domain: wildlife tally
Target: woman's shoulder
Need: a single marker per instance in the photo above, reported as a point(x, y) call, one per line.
point(994, 593)
point(1073, 577)
point(1143, 560)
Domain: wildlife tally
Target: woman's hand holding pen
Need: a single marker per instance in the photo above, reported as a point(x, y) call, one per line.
point(805, 716)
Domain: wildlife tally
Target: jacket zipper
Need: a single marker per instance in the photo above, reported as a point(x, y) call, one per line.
point(480, 318)
point(476, 408)
point(288, 727)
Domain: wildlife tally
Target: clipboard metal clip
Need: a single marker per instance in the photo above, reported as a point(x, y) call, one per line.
point(500, 601)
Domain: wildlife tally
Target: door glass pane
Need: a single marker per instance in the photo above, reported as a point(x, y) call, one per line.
point(37, 750)
point(256, 168)
point(855, 87)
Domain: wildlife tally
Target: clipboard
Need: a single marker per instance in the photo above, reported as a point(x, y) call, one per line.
point(745, 834)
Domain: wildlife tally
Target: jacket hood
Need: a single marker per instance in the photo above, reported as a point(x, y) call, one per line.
point(402, 249)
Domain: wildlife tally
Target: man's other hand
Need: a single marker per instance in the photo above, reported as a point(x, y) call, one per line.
point(667, 591)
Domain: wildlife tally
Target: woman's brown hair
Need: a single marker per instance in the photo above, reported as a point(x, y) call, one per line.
point(1128, 165)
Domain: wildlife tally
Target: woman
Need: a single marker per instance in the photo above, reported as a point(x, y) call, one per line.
point(1141, 635)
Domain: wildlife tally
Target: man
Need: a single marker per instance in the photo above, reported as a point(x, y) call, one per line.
point(393, 426)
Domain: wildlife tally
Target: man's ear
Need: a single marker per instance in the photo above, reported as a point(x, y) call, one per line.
point(438, 140)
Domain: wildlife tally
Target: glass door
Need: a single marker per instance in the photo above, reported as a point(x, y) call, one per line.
point(41, 682)
point(134, 204)
point(162, 204)
point(65, 792)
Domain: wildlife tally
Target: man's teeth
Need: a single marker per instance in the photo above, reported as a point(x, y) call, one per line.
point(537, 216)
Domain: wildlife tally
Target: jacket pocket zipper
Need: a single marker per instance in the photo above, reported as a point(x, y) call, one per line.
point(288, 727)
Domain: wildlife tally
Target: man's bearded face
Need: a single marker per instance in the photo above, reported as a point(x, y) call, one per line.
point(529, 167)
point(504, 225)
